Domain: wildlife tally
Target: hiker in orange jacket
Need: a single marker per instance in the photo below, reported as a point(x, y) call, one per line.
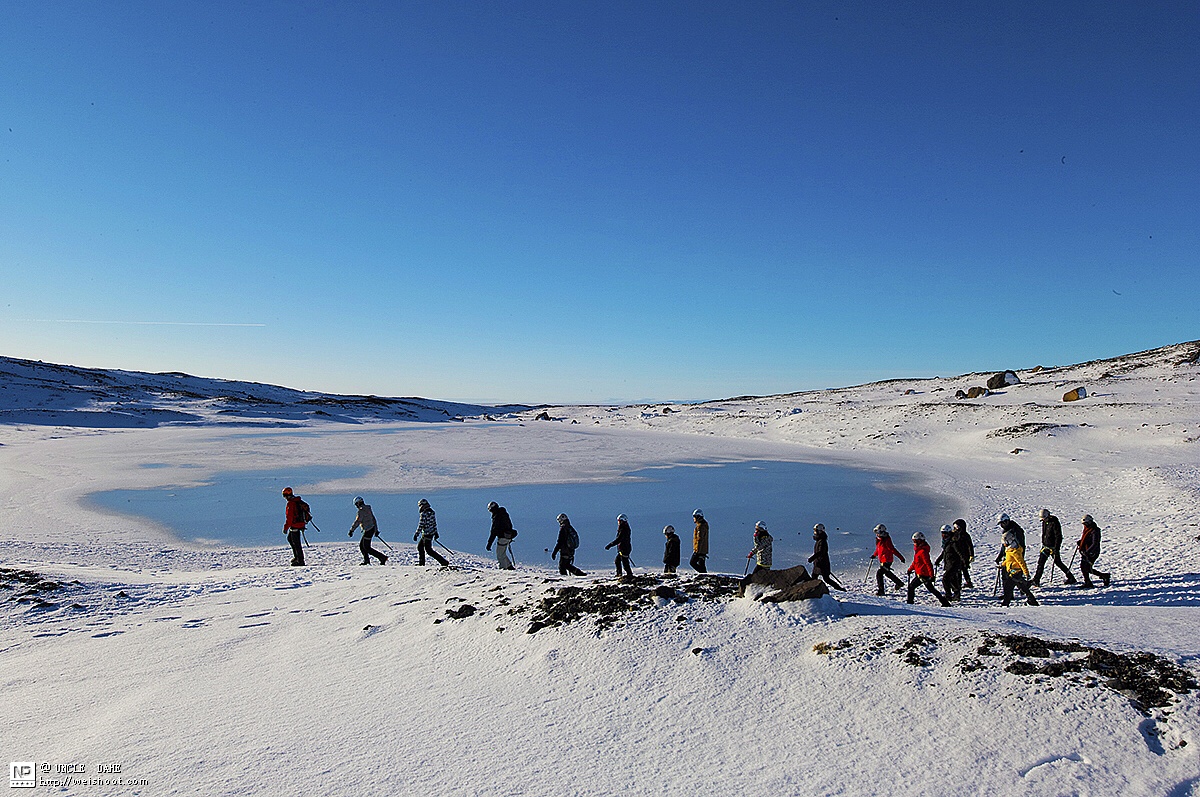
point(922, 569)
point(885, 552)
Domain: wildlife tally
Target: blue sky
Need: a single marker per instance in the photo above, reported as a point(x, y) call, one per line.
point(586, 202)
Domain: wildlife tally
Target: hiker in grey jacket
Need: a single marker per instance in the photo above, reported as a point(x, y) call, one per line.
point(502, 534)
point(365, 520)
point(427, 532)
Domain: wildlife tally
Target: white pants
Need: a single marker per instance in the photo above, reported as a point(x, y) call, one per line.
point(502, 557)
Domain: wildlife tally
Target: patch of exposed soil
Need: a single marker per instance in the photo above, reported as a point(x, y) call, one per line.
point(609, 601)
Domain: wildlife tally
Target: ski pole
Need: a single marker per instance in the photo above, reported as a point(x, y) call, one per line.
point(385, 542)
point(439, 542)
point(747, 570)
point(304, 537)
point(511, 556)
point(870, 564)
point(315, 526)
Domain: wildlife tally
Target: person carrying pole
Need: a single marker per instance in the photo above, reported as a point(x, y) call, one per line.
point(426, 533)
point(365, 520)
point(1014, 573)
point(885, 552)
point(624, 544)
point(922, 569)
point(820, 558)
point(763, 543)
point(952, 564)
point(295, 516)
point(1089, 551)
point(564, 549)
point(1051, 545)
point(966, 550)
point(699, 543)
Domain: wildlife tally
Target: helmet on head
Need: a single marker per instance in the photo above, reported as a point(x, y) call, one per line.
point(918, 536)
point(1045, 513)
point(960, 524)
point(880, 530)
point(668, 529)
point(819, 528)
point(622, 519)
point(493, 506)
point(1088, 519)
point(1002, 518)
point(947, 529)
point(422, 504)
point(358, 500)
point(760, 526)
point(562, 518)
point(287, 491)
point(698, 514)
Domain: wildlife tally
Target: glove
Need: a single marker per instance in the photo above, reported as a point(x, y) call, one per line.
point(607, 547)
point(350, 533)
point(488, 548)
point(415, 537)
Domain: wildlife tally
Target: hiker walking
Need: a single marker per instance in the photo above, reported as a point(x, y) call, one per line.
point(564, 549)
point(1051, 544)
point(1089, 552)
point(699, 543)
point(922, 570)
point(966, 550)
point(820, 558)
point(885, 552)
point(671, 555)
point(365, 520)
point(952, 564)
point(761, 553)
point(426, 533)
point(1014, 573)
point(624, 543)
point(1008, 525)
point(502, 534)
point(295, 516)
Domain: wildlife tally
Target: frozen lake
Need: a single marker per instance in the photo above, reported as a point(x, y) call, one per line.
point(246, 509)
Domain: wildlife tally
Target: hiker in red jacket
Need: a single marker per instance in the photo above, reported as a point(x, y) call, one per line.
point(922, 569)
point(293, 525)
point(885, 552)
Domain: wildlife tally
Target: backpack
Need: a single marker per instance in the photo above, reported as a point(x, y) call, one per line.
point(572, 539)
point(303, 514)
point(1097, 543)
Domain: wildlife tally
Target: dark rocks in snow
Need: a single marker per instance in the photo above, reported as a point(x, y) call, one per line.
point(1076, 394)
point(609, 601)
point(462, 612)
point(977, 392)
point(1002, 380)
point(1024, 429)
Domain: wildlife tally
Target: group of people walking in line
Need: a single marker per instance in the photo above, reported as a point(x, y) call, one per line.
point(955, 559)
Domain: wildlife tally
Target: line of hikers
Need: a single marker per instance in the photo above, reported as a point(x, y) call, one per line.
point(955, 559)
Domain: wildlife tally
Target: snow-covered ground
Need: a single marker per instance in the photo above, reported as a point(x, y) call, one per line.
point(219, 671)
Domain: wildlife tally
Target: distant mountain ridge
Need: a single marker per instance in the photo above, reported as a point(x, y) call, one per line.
point(46, 394)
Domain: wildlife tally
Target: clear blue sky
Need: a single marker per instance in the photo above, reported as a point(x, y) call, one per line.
point(577, 202)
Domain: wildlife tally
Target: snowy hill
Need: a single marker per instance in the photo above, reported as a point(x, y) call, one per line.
point(220, 671)
point(61, 395)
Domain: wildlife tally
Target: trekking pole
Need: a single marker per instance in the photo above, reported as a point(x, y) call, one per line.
point(512, 556)
point(867, 575)
point(747, 570)
point(304, 537)
point(385, 542)
point(996, 585)
point(315, 526)
point(439, 542)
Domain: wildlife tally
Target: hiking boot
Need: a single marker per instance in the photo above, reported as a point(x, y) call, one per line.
point(1071, 579)
point(1004, 603)
point(1105, 577)
point(1037, 582)
point(879, 592)
point(383, 561)
point(1087, 585)
point(1031, 601)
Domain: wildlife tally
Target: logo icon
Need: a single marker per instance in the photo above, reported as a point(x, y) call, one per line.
point(22, 775)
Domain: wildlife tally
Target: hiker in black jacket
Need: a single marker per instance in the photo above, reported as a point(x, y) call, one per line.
point(671, 555)
point(820, 558)
point(1051, 544)
point(502, 535)
point(952, 564)
point(624, 543)
point(966, 550)
point(564, 549)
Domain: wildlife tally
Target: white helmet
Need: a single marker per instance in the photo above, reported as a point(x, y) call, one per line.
point(698, 514)
point(947, 529)
point(1002, 518)
point(493, 506)
point(668, 529)
point(819, 527)
point(760, 526)
point(918, 536)
point(622, 519)
point(1045, 513)
point(562, 518)
point(880, 530)
point(358, 500)
point(1088, 519)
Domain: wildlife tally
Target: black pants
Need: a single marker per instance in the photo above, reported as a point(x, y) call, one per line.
point(425, 546)
point(821, 571)
point(1045, 555)
point(1012, 582)
point(364, 545)
point(697, 563)
point(566, 564)
point(952, 578)
point(623, 560)
point(886, 570)
point(294, 537)
point(928, 582)
point(1086, 566)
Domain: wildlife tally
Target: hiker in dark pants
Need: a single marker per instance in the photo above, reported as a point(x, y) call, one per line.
point(820, 558)
point(1014, 573)
point(966, 550)
point(885, 552)
point(671, 554)
point(922, 570)
point(1051, 544)
point(763, 544)
point(427, 532)
point(564, 549)
point(1089, 552)
point(699, 543)
point(293, 525)
point(951, 560)
point(624, 543)
point(365, 520)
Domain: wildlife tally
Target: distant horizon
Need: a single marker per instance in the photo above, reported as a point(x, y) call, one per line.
point(586, 203)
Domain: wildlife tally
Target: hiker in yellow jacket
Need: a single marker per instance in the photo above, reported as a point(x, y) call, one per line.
point(1014, 573)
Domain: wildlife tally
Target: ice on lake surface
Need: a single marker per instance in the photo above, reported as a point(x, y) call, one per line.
point(245, 509)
